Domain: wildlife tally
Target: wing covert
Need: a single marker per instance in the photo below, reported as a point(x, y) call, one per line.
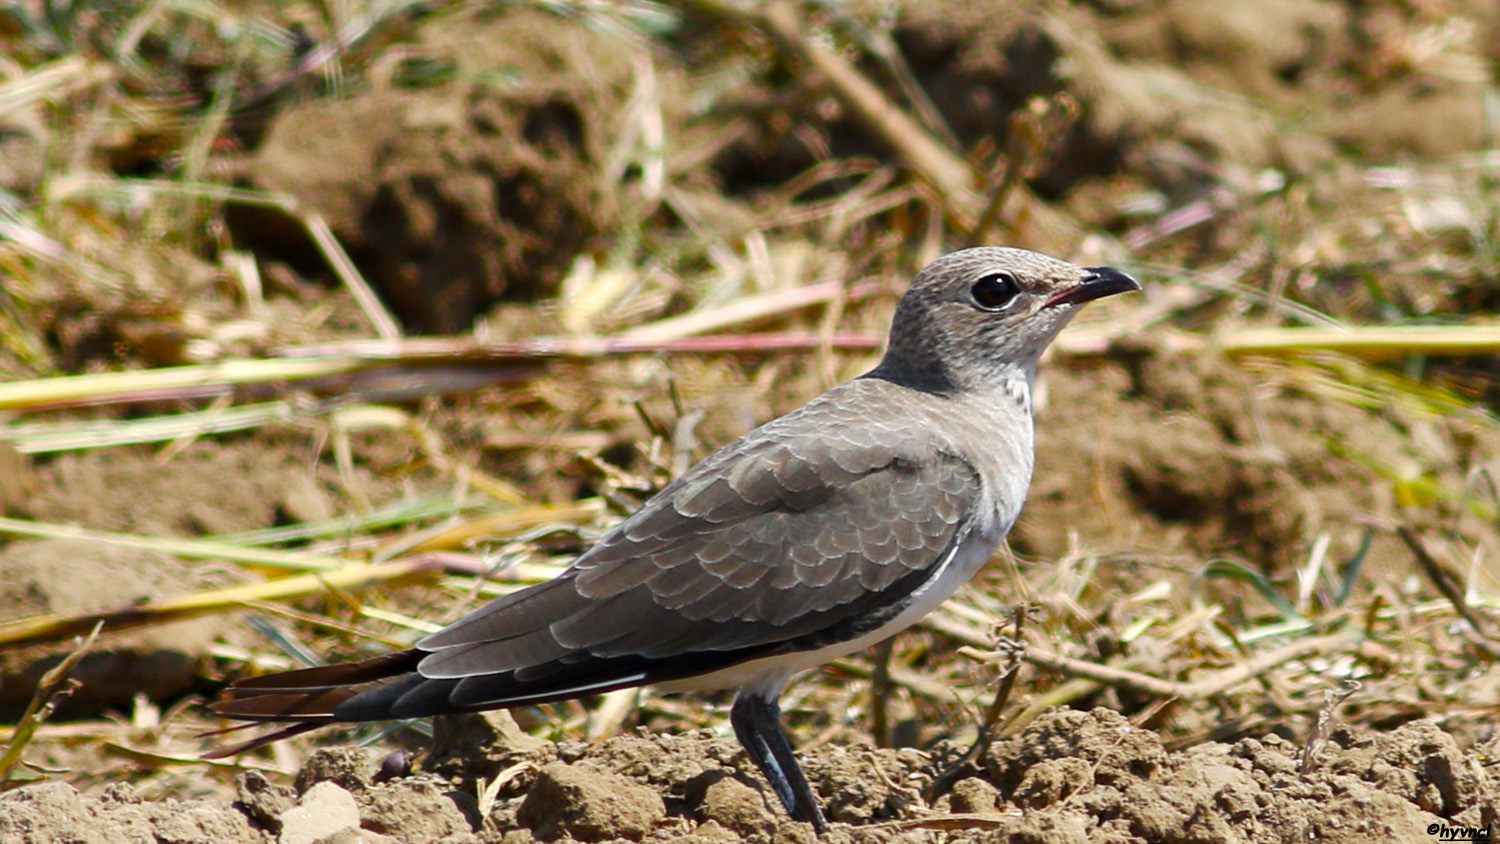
point(776, 543)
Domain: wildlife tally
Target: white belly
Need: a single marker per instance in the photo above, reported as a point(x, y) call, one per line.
point(771, 673)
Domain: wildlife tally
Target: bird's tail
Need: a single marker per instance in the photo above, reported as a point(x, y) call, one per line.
point(307, 698)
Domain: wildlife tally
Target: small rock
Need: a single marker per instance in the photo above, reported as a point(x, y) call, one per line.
point(472, 746)
point(796, 832)
point(325, 809)
point(347, 766)
point(418, 810)
point(190, 822)
point(1052, 781)
point(737, 807)
point(39, 806)
point(120, 792)
point(1116, 750)
point(974, 796)
point(589, 805)
point(264, 801)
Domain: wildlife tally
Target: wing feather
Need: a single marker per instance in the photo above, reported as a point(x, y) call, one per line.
point(804, 533)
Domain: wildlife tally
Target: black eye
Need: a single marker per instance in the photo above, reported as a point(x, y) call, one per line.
point(995, 291)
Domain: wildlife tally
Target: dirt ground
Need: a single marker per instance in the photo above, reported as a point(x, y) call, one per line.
point(1188, 507)
point(1071, 776)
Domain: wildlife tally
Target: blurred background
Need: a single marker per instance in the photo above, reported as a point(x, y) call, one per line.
point(315, 314)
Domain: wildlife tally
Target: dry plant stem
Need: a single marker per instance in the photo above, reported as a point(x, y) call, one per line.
point(1368, 342)
point(1228, 632)
point(45, 437)
point(423, 349)
point(948, 173)
point(991, 214)
point(318, 56)
point(1214, 684)
point(1372, 343)
point(1079, 341)
point(71, 730)
point(945, 822)
point(1444, 583)
point(52, 688)
point(54, 626)
point(944, 781)
point(191, 548)
point(156, 759)
point(320, 622)
point(177, 382)
point(742, 311)
point(489, 792)
point(1025, 142)
point(1319, 731)
point(882, 45)
point(1206, 687)
point(609, 717)
point(343, 267)
point(381, 367)
point(509, 522)
point(1008, 676)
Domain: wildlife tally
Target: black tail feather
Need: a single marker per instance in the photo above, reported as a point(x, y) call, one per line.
point(307, 698)
point(259, 741)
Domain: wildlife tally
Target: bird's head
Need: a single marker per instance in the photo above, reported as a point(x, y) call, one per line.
point(976, 317)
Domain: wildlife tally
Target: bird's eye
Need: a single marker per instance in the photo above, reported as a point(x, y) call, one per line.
point(995, 291)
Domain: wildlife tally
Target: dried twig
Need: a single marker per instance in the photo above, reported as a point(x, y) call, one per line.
point(1214, 684)
point(55, 685)
point(1319, 731)
point(1444, 582)
point(54, 626)
point(742, 311)
point(1110, 675)
point(1008, 674)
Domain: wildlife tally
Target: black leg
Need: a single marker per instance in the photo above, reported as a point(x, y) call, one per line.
point(757, 724)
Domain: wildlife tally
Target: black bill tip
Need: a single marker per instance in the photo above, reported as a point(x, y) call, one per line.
point(1100, 282)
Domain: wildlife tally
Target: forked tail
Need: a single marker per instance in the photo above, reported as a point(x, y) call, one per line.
point(307, 698)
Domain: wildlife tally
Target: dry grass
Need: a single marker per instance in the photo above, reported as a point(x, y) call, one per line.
point(142, 260)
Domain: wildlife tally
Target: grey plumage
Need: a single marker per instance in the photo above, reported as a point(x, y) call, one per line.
point(810, 536)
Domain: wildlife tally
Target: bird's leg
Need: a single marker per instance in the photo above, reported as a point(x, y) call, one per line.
point(757, 724)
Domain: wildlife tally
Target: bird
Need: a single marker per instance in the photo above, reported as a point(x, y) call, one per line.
point(811, 537)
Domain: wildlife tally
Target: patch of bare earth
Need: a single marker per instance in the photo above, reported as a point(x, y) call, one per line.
point(1070, 776)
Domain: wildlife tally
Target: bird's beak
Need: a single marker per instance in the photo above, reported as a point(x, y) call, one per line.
point(1100, 282)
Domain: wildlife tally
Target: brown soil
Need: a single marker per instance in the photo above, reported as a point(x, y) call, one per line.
point(62, 576)
point(473, 167)
point(1071, 776)
point(216, 489)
